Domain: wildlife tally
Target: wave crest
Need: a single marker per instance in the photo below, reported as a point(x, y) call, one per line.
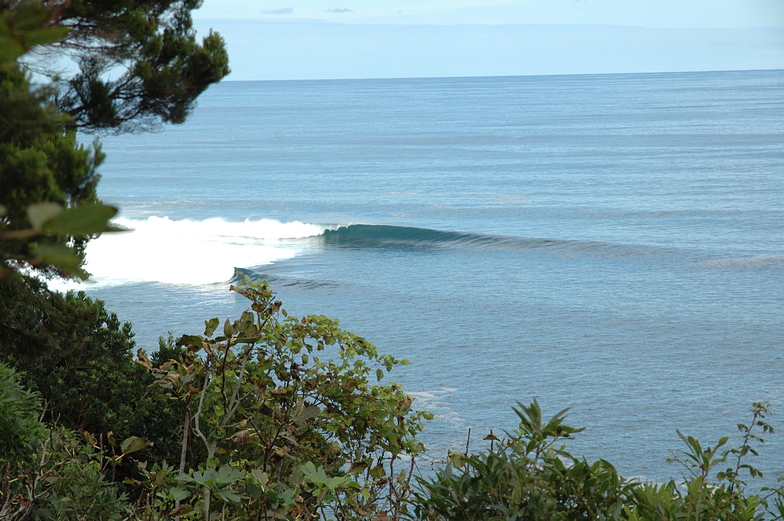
point(159, 249)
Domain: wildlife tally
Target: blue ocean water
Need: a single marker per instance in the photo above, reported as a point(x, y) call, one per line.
point(609, 243)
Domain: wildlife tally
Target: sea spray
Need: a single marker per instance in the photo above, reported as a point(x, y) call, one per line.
point(159, 249)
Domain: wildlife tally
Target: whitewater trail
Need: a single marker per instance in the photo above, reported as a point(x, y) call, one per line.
point(159, 249)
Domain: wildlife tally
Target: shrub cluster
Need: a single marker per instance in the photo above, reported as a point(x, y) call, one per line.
point(531, 476)
point(265, 417)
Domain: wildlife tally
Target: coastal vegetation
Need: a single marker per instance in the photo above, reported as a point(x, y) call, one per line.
point(264, 416)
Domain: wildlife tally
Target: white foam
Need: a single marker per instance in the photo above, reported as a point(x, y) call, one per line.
point(159, 249)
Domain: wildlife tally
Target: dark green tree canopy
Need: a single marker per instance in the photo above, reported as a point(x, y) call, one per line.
point(114, 65)
point(43, 169)
point(138, 62)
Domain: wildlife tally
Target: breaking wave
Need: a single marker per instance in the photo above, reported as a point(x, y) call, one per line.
point(190, 252)
point(159, 249)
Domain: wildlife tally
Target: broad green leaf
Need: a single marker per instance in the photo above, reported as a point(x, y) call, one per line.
point(81, 220)
point(210, 326)
point(10, 50)
point(357, 468)
point(287, 497)
point(132, 444)
point(40, 213)
point(192, 340)
point(61, 256)
point(227, 494)
point(45, 35)
point(111, 227)
point(338, 481)
point(306, 413)
point(317, 476)
point(228, 329)
point(227, 474)
point(260, 476)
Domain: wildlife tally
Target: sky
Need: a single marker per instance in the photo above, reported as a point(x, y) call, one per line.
point(346, 39)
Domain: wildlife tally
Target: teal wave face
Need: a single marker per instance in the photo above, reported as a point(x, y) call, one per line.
point(366, 236)
point(399, 237)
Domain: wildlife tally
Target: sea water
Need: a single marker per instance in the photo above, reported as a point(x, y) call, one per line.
point(609, 243)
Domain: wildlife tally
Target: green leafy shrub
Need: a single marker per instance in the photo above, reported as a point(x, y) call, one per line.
point(529, 476)
point(47, 472)
point(71, 483)
point(284, 420)
point(79, 357)
point(20, 428)
point(709, 490)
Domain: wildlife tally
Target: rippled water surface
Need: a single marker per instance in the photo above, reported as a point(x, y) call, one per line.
point(608, 243)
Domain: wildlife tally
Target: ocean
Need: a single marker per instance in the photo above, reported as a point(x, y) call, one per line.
point(608, 243)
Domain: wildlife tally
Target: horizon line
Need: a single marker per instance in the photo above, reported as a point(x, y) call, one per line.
point(469, 76)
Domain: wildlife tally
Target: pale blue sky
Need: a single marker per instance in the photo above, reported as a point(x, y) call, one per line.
point(315, 39)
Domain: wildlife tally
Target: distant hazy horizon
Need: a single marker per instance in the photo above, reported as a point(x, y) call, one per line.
point(322, 39)
point(479, 76)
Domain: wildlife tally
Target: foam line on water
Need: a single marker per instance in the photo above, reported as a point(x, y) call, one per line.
point(159, 249)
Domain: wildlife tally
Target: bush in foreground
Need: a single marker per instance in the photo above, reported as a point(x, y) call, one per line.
point(531, 476)
point(282, 419)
